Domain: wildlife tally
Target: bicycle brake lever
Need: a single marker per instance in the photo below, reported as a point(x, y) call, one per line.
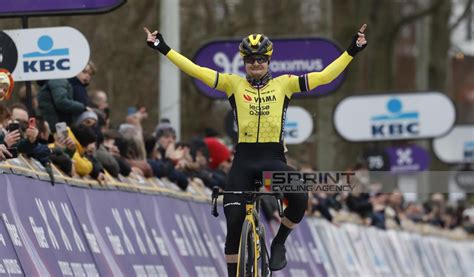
point(214, 207)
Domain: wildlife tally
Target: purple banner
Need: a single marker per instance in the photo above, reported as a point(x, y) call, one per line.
point(114, 225)
point(213, 230)
point(37, 7)
point(9, 263)
point(43, 228)
point(290, 56)
point(407, 158)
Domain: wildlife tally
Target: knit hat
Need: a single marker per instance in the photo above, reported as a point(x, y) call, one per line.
point(84, 135)
point(218, 152)
point(164, 128)
point(87, 115)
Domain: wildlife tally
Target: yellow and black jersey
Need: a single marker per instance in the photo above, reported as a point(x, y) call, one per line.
point(260, 112)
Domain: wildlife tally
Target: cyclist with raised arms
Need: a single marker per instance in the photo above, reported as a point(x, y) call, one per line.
point(259, 103)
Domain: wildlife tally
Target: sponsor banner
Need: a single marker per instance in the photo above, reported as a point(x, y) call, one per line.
point(9, 263)
point(214, 231)
point(394, 116)
point(303, 234)
point(298, 125)
point(116, 231)
point(457, 146)
point(376, 159)
point(43, 228)
point(11, 8)
point(45, 53)
point(290, 56)
point(407, 158)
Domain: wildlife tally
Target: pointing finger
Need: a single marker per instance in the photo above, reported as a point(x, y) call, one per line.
point(362, 29)
point(146, 30)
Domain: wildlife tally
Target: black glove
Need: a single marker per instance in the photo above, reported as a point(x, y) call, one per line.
point(159, 45)
point(353, 49)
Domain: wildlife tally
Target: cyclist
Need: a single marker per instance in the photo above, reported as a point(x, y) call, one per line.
point(259, 103)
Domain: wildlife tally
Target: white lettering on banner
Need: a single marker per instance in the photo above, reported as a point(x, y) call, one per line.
point(91, 270)
point(221, 60)
point(12, 231)
point(210, 246)
point(205, 271)
point(149, 242)
point(51, 235)
point(115, 242)
point(179, 221)
point(191, 223)
point(314, 253)
point(150, 270)
point(180, 244)
point(77, 238)
point(131, 220)
point(302, 252)
point(65, 268)
point(91, 239)
point(298, 272)
point(160, 243)
point(39, 234)
point(161, 271)
point(290, 251)
point(296, 65)
point(64, 237)
point(12, 266)
point(2, 240)
point(139, 270)
point(2, 269)
point(128, 243)
point(78, 270)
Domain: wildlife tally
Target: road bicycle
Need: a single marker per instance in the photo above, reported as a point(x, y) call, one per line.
point(253, 254)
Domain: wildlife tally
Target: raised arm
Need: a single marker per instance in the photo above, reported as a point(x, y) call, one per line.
point(315, 79)
point(208, 76)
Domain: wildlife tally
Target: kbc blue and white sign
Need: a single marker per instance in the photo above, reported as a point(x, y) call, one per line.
point(393, 117)
point(49, 53)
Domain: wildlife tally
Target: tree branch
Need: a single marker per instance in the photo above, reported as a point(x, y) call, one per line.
point(415, 16)
point(465, 13)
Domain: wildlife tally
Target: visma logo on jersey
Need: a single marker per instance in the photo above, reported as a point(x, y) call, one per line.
point(396, 122)
point(49, 53)
point(47, 58)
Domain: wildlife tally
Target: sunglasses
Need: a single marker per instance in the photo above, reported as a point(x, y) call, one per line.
point(259, 59)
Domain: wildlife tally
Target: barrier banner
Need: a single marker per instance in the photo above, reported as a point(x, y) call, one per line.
point(182, 237)
point(42, 227)
point(299, 260)
point(9, 263)
point(214, 231)
point(114, 227)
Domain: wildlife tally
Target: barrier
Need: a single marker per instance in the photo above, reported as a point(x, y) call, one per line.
point(76, 230)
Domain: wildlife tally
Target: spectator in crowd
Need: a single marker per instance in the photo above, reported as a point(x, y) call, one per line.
point(110, 138)
point(56, 103)
point(4, 116)
point(132, 147)
point(377, 217)
point(81, 81)
point(98, 100)
point(166, 156)
point(85, 142)
point(414, 212)
point(394, 209)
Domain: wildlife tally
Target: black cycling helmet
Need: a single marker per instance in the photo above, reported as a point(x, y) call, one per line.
point(256, 44)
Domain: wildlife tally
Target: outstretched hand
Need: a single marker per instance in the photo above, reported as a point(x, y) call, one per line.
point(358, 42)
point(155, 40)
point(361, 41)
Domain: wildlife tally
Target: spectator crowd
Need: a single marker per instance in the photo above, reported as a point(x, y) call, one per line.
point(69, 126)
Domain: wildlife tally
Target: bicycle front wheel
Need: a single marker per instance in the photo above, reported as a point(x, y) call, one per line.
point(246, 265)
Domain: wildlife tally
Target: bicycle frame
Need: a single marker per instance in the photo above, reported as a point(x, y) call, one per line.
point(252, 219)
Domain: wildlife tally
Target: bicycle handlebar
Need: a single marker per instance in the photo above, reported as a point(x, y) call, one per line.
point(256, 194)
